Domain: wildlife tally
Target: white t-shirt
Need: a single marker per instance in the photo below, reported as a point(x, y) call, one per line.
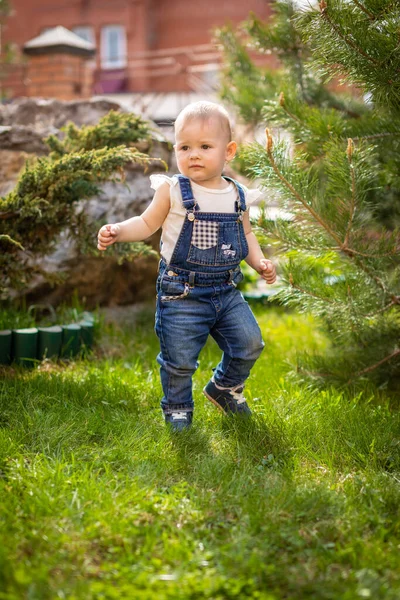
point(209, 200)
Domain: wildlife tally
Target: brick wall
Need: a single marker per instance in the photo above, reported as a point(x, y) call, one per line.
point(62, 76)
point(168, 41)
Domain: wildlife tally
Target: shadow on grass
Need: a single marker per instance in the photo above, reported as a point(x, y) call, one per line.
point(259, 441)
point(194, 442)
point(239, 449)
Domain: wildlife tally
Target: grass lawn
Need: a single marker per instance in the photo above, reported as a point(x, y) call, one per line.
point(99, 501)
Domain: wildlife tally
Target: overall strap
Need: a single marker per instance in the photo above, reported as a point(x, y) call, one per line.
point(241, 205)
point(188, 200)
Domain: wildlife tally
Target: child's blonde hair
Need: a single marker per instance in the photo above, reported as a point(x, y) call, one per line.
point(205, 110)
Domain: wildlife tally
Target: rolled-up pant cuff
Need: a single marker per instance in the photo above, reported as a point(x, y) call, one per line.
point(168, 408)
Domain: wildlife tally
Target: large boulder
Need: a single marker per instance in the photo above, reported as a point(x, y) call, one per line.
point(46, 115)
point(100, 280)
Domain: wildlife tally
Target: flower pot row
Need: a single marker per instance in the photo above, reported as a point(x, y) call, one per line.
point(27, 346)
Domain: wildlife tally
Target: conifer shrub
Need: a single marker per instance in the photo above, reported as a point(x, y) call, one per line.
point(45, 198)
point(331, 158)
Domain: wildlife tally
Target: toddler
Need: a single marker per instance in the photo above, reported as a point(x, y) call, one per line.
point(206, 233)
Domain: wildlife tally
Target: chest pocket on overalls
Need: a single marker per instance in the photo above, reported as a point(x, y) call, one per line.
point(215, 243)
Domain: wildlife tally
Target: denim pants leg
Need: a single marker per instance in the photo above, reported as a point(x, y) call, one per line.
point(237, 333)
point(183, 326)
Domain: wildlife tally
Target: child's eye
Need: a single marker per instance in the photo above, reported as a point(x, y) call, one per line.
point(205, 147)
point(184, 148)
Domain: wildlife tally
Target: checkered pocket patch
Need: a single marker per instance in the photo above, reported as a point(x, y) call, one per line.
point(205, 234)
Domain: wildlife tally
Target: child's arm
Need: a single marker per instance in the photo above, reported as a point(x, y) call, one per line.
point(137, 229)
point(255, 257)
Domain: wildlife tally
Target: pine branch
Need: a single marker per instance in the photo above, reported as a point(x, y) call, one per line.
point(281, 102)
point(394, 302)
point(370, 15)
point(374, 277)
point(350, 252)
point(305, 292)
point(310, 294)
point(342, 245)
point(376, 136)
point(374, 366)
point(324, 14)
point(349, 153)
point(295, 192)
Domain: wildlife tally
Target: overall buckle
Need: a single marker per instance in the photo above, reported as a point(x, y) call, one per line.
point(232, 275)
point(192, 277)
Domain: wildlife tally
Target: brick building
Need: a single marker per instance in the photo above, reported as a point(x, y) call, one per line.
point(142, 46)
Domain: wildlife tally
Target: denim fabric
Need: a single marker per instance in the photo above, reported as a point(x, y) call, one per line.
point(197, 297)
point(230, 245)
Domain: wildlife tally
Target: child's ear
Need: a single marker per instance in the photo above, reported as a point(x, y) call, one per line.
point(230, 150)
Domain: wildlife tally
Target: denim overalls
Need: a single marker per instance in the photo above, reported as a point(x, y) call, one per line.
point(197, 296)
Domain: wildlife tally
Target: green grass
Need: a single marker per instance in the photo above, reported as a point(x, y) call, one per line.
point(99, 501)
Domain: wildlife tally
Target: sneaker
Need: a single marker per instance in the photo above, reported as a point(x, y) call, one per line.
point(229, 400)
point(178, 419)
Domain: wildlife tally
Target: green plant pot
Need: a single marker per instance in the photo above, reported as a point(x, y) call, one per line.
point(24, 346)
point(87, 331)
point(5, 346)
point(71, 340)
point(87, 317)
point(50, 341)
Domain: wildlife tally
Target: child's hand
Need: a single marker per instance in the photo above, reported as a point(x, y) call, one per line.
point(107, 235)
point(267, 270)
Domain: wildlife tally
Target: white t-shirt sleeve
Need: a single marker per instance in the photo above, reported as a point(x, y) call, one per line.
point(253, 197)
point(158, 179)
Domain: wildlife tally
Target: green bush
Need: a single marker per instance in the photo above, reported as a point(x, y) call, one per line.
point(44, 200)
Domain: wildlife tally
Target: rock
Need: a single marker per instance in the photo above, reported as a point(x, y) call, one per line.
point(101, 281)
point(17, 137)
point(11, 163)
point(44, 115)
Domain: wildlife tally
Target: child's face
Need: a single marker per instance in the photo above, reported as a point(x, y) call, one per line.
point(201, 149)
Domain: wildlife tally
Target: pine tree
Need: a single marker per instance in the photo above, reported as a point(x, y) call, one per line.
point(339, 173)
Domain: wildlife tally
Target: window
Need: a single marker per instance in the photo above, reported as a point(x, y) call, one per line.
point(85, 32)
point(113, 47)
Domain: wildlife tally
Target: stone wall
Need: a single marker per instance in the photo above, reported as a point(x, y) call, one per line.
point(101, 281)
